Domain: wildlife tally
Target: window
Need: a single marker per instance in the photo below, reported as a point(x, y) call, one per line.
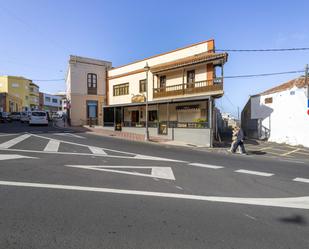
point(15, 85)
point(190, 78)
point(162, 81)
point(152, 116)
point(92, 83)
point(121, 89)
point(47, 99)
point(55, 101)
point(268, 100)
point(142, 86)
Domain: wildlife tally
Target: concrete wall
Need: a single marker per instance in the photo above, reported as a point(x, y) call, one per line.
point(286, 116)
point(200, 137)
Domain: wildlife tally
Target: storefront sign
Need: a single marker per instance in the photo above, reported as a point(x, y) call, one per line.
point(138, 98)
point(187, 107)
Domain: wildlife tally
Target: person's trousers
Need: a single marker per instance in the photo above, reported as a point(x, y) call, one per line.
point(240, 144)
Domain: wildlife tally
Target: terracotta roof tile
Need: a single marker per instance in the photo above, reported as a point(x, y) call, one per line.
point(298, 82)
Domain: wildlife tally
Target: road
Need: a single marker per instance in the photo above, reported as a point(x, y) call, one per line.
point(62, 189)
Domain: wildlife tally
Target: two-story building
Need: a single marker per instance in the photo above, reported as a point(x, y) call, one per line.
point(49, 102)
point(85, 94)
point(182, 86)
point(178, 88)
point(16, 90)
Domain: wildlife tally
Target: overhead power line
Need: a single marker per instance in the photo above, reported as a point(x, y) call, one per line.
point(262, 74)
point(48, 80)
point(263, 50)
point(226, 77)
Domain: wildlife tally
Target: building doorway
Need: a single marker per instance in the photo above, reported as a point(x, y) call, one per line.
point(134, 117)
point(92, 112)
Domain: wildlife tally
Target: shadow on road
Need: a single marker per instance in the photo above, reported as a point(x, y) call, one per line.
point(294, 219)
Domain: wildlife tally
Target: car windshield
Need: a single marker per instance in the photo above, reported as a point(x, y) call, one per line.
point(39, 114)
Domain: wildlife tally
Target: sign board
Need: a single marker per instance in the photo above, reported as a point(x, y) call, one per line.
point(138, 98)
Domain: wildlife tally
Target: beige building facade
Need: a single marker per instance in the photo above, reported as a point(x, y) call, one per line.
point(178, 87)
point(85, 95)
point(182, 87)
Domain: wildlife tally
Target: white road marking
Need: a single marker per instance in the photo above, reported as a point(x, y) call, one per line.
point(251, 172)
point(290, 152)
point(74, 153)
point(136, 156)
point(14, 156)
point(155, 158)
point(5, 135)
point(97, 150)
point(156, 172)
point(53, 145)
point(68, 134)
point(14, 141)
point(299, 179)
point(251, 217)
point(288, 202)
point(206, 165)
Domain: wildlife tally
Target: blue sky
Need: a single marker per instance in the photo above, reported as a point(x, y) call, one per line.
point(37, 36)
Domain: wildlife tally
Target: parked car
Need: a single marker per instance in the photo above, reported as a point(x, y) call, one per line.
point(24, 117)
point(5, 117)
point(15, 116)
point(55, 115)
point(38, 117)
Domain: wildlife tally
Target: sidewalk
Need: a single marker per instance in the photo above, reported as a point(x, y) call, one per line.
point(98, 130)
point(253, 147)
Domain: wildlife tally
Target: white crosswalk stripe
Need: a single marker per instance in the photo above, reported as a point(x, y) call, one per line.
point(96, 150)
point(14, 141)
point(299, 179)
point(251, 172)
point(53, 145)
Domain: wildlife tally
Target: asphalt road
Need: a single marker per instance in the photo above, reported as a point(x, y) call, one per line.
point(62, 189)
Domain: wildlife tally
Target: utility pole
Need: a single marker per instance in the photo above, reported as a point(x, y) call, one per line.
point(147, 68)
point(306, 82)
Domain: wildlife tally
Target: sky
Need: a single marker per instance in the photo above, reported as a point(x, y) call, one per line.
point(37, 37)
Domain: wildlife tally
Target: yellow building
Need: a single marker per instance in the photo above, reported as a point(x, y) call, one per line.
point(10, 103)
point(33, 96)
point(19, 89)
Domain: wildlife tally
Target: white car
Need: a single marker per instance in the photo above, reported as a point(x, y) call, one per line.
point(38, 117)
point(24, 117)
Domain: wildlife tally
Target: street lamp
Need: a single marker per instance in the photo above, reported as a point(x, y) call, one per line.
point(147, 68)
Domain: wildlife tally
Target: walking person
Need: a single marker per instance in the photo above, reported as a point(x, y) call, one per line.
point(239, 141)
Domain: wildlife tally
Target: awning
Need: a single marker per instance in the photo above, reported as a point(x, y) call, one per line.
point(190, 60)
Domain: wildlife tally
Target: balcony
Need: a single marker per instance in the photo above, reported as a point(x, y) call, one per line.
point(189, 88)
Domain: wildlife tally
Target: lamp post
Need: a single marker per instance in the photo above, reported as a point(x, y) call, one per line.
point(147, 68)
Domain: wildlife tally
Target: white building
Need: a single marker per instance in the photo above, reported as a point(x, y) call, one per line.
point(279, 114)
point(182, 87)
point(50, 102)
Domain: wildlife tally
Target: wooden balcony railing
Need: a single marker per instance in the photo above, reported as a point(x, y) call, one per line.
point(189, 88)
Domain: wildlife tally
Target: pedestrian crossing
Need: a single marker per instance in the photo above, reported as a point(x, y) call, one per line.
point(36, 143)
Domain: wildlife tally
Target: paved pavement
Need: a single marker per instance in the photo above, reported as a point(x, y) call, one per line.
point(63, 189)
